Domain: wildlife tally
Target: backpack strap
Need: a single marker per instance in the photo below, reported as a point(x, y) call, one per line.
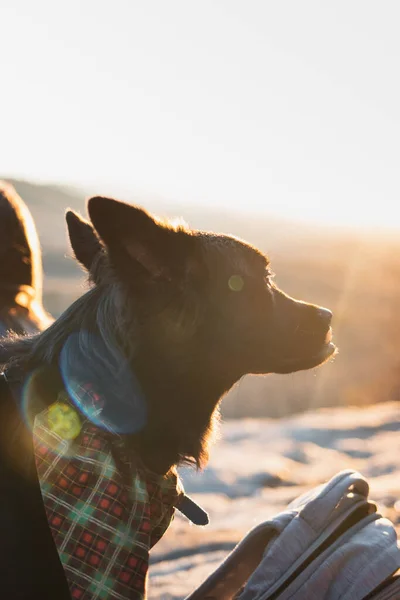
point(229, 578)
point(388, 590)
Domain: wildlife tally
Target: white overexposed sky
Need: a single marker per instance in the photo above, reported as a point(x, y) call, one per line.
point(282, 106)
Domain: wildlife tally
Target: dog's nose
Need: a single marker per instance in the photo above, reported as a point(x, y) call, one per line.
point(325, 314)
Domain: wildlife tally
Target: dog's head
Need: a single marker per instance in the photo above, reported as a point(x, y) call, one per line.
point(20, 254)
point(20, 267)
point(202, 308)
point(200, 294)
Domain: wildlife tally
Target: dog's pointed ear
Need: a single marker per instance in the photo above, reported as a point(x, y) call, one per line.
point(84, 240)
point(133, 237)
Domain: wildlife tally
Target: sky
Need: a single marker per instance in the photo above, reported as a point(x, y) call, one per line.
point(281, 106)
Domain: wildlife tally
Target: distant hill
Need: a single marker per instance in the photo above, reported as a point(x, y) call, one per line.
point(355, 274)
point(48, 203)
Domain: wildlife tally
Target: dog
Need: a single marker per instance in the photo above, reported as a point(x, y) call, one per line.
point(173, 318)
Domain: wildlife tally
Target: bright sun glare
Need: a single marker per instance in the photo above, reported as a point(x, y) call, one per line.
point(290, 108)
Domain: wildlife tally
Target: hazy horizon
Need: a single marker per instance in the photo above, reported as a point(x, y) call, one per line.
point(286, 109)
point(173, 207)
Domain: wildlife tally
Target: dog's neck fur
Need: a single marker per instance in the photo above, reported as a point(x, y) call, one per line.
point(181, 422)
point(183, 417)
point(182, 405)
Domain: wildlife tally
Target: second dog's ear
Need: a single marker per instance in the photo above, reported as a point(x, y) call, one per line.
point(137, 241)
point(84, 240)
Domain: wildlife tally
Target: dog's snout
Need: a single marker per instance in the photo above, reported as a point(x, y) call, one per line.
point(325, 314)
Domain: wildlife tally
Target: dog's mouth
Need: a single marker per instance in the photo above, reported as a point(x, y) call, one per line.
point(310, 359)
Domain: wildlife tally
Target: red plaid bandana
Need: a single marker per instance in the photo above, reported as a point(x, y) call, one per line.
point(103, 528)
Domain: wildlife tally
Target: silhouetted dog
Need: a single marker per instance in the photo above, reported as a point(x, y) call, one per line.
point(125, 385)
point(21, 307)
point(191, 311)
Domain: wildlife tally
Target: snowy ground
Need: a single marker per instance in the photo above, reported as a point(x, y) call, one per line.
point(258, 466)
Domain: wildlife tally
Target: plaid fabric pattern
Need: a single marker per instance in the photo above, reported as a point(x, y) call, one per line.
point(103, 529)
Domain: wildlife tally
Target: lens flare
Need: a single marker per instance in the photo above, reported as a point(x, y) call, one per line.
point(64, 421)
point(102, 384)
point(236, 283)
point(58, 416)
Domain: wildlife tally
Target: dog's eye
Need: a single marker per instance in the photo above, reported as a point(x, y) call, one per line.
point(236, 283)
